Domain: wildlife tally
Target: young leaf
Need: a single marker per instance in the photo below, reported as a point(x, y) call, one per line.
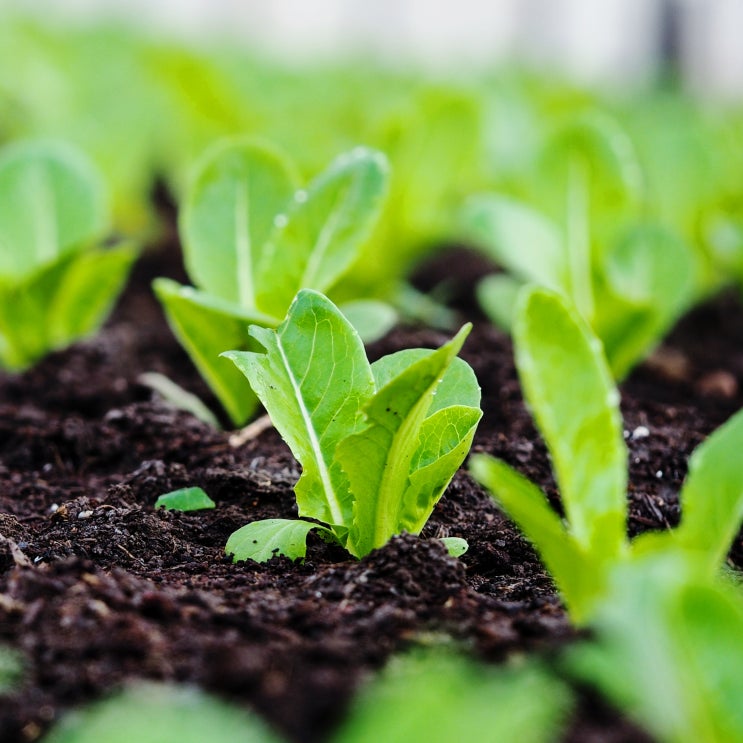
point(206, 327)
point(313, 380)
point(185, 499)
point(159, 713)
point(378, 459)
point(322, 230)
point(239, 189)
point(262, 540)
point(569, 388)
point(455, 546)
point(51, 203)
point(371, 318)
point(712, 495)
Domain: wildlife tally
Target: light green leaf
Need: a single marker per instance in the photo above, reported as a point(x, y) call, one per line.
point(314, 379)
point(650, 280)
point(712, 495)
point(455, 546)
point(437, 698)
point(262, 540)
point(458, 386)
point(371, 318)
point(570, 391)
point(51, 203)
point(497, 295)
point(578, 577)
point(445, 439)
point(185, 499)
point(239, 190)
point(86, 292)
point(207, 327)
point(518, 238)
point(378, 458)
point(159, 713)
point(323, 229)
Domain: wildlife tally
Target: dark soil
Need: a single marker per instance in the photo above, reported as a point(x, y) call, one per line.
point(96, 587)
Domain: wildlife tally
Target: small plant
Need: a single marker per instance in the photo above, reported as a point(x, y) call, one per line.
point(378, 443)
point(568, 386)
point(252, 238)
point(185, 499)
point(583, 233)
point(56, 284)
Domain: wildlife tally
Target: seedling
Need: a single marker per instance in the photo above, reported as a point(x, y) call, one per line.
point(567, 383)
point(378, 443)
point(584, 234)
point(56, 284)
point(252, 238)
point(185, 499)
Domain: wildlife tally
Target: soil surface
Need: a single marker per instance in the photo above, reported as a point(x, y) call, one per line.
point(97, 587)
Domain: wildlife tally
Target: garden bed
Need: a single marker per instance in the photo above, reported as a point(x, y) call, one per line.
point(96, 587)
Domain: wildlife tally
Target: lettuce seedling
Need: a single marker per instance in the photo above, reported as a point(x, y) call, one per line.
point(583, 234)
point(378, 443)
point(56, 285)
point(568, 386)
point(252, 238)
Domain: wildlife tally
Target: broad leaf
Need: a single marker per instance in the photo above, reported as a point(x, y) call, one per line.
point(262, 540)
point(239, 190)
point(314, 380)
point(86, 292)
point(518, 238)
point(570, 391)
point(322, 230)
point(455, 546)
point(378, 459)
point(185, 499)
point(51, 203)
point(206, 328)
point(159, 713)
point(371, 318)
point(712, 495)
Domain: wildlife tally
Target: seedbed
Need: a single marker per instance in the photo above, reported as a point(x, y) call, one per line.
point(98, 588)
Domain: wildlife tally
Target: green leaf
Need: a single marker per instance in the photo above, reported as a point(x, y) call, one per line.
point(322, 230)
point(518, 238)
point(262, 540)
point(314, 379)
point(86, 292)
point(497, 295)
point(455, 546)
point(578, 577)
point(378, 458)
point(569, 388)
point(239, 190)
point(437, 698)
point(51, 203)
point(712, 495)
point(159, 713)
point(371, 318)
point(206, 327)
point(650, 280)
point(185, 499)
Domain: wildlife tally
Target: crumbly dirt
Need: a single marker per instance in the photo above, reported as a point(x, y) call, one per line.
point(97, 587)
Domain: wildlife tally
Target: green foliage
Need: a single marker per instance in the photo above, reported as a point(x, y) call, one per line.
point(253, 239)
point(378, 443)
point(56, 286)
point(669, 650)
point(159, 713)
point(11, 668)
point(566, 383)
point(436, 698)
point(583, 233)
point(185, 499)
